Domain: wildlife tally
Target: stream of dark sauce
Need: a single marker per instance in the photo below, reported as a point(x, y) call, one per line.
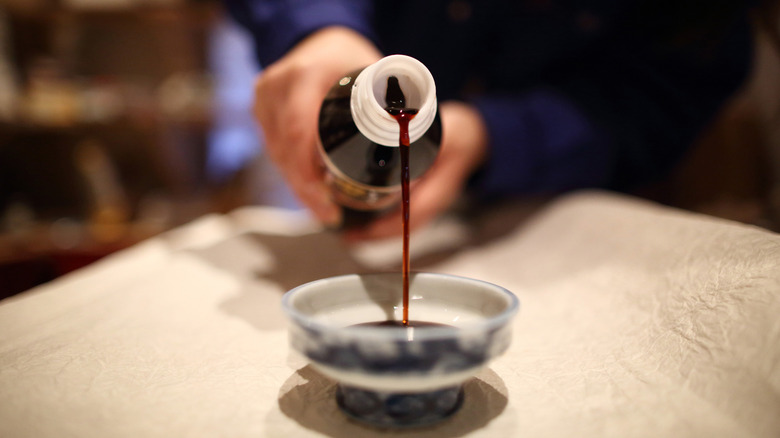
point(396, 107)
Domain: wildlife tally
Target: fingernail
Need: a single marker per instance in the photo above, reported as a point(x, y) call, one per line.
point(330, 215)
point(327, 212)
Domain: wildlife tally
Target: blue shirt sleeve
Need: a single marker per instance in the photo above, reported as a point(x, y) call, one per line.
point(277, 25)
point(618, 119)
point(539, 143)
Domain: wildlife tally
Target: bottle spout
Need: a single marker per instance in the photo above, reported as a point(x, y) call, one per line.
point(369, 99)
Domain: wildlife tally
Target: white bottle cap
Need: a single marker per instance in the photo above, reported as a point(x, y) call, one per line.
point(368, 99)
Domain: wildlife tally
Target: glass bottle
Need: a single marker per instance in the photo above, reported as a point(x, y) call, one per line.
point(359, 139)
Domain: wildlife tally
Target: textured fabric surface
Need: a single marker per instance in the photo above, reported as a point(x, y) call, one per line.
point(636, 321)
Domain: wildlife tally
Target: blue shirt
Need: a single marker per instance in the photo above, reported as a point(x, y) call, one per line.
point(575, 94)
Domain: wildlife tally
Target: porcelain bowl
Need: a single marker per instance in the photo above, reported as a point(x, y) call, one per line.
point(400, 376)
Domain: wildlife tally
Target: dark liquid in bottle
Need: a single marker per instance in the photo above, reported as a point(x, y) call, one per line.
point(365, 162)
point(396, 106)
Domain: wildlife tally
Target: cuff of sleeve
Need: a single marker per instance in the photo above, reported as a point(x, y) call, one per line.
point(540, 143)
point(289, 22)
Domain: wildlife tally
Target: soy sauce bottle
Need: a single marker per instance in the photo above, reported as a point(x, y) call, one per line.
point(359, 138)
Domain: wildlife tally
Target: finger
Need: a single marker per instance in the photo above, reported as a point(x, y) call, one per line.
point(309, 184)
point(302, 159)
point(292, 144)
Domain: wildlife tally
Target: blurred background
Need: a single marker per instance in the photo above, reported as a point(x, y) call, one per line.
point(120, 119)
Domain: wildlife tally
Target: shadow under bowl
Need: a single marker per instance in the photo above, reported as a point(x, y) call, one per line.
point(395, 376)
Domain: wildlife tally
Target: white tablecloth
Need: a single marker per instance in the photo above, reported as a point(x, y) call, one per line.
point(636, 320)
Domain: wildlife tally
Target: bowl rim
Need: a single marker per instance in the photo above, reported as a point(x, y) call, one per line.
point(401, 333)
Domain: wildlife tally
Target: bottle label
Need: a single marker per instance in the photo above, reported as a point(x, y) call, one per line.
point(352, 194)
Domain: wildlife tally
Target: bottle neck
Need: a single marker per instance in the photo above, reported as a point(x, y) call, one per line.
point(368, 99)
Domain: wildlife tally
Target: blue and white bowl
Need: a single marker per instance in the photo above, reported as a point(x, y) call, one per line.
point(400, 376)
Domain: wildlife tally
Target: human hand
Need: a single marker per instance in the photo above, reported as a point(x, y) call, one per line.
point(288, 94)
point(463, 149)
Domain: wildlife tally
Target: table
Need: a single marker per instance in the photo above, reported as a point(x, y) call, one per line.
point(637, 320)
